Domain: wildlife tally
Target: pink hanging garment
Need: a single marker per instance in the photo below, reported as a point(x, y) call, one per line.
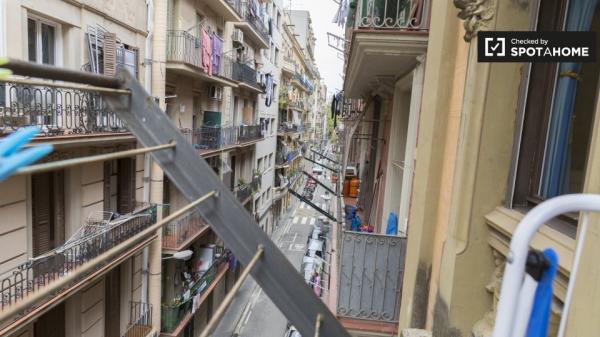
point(207, 52)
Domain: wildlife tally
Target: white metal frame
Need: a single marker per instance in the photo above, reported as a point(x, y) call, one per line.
point(519, 247)
point(58, 43)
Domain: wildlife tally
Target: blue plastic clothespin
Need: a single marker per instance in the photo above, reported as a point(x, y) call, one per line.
point(540, 314)
point(11, 159)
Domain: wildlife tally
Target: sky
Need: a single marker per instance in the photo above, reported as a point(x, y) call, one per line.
point(328, 62)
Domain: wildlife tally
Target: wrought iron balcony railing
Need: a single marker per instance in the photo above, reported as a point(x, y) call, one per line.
point(56, 111)
point(184, 47)
point(209, 138)
point(177, 232)
point(251, 15)
point(249, 133)
point(173, 313)
point(245, 73)
point(140, 320)
point(304, 82)
point(94, 238)
point(236, 5)
point(245, 190)
point(392, 14)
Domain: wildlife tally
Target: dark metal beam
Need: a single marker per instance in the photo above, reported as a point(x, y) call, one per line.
point(325, 166)
point(322, 155)
point(227, 217)
point(31, 69)
point(310, 203)
point(320, 183)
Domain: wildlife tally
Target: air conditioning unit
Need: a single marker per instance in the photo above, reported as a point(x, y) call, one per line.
point(238, 37)
point(215, 92)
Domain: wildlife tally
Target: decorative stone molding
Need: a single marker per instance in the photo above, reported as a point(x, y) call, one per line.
point(475, 13)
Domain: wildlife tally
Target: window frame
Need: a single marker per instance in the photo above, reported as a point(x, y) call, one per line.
point(538, 84)
point(38, 43)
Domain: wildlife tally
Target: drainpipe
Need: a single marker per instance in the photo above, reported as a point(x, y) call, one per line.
point(146, 178)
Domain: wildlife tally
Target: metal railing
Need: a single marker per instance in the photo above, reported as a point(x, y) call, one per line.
point(236, 5)
point(249, 133)
point(287, 127)
point(303, 81)
point(371, 289)
point(226, 67)
point(140, 320)
point(39, 272)
point(209, 138)
point(393, 14)
point(252, 17)
point(55, 110)
point(282, 159)
point(173, 313)
point(178, 231)
point(245, 73)
point(245, 190)
point(184, 47)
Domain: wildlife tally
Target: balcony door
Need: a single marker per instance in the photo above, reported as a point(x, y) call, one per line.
point(119, 185)
point(52, 323)
point(112, 305)
point(48, 218)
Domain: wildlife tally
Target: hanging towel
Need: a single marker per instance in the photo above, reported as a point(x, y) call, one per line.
point(392, 224)
point(269, 90)
point(540, 314)
point(217, 50)
point(206, 52)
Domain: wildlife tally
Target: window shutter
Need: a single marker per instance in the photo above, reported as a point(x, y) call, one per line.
point(126, 186)
point(58, 196)
point(110, 54)
point(42, 213)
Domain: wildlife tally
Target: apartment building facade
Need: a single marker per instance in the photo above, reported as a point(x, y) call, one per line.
point(214, 67)
point(298, 76)
point(482, 131)
point(51, 219)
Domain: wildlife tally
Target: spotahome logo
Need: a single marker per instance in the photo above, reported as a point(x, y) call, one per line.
point(536, 46)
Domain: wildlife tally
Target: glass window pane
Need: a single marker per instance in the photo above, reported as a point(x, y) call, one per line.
point(48, 39)
point(31, 40)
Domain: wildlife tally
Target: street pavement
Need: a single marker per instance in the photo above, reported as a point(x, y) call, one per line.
point(252, 314)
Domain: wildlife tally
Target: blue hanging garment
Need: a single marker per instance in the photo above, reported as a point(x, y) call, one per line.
point(540, 314)
point(355, 224)
point(392, 224)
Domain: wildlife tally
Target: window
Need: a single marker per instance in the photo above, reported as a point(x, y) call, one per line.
point(270, 159)
point(41, 41)
point(551, 153)
point(259, 166)
point(276, 56)
point(278, 20)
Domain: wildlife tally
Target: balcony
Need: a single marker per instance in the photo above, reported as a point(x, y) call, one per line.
point(386, 38)
point(230, 10)
point(253, 27)
point(246, 75)
point(246, 190)
point(180, 233)
point(184, 56)
point(178, 313)
point(99, 235)
point(302, 82)
point(284, 160)
point(60, 113)
point(289, 128)
point(140, 320)
point(212, 139)
point(289, 66)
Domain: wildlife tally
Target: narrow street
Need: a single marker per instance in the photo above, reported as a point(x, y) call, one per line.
point(252, 313)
